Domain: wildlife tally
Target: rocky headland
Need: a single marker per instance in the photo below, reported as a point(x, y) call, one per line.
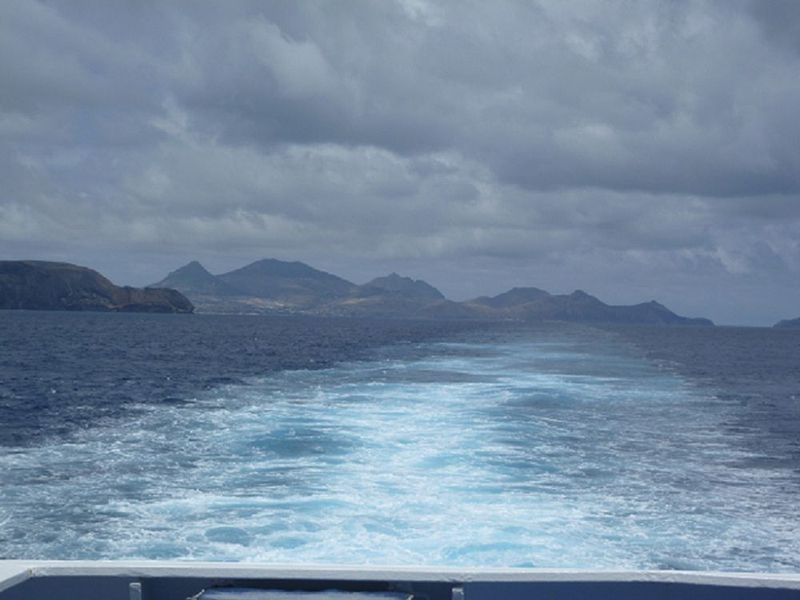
point(43, 285)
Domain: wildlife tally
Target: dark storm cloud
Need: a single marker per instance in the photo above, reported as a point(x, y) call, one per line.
point(661, 98)
point(606, 140)
point(780, 20)
point(316, 73)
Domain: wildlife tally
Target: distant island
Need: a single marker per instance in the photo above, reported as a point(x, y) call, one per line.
point(788, 324)
point(42, 285)
point(277, 287)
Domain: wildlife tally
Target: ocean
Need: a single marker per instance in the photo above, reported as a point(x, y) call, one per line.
point(377, 442)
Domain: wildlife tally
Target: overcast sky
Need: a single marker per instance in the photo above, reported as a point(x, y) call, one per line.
point(636, 150)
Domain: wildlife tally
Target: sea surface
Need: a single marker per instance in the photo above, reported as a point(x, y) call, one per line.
point(320, 441)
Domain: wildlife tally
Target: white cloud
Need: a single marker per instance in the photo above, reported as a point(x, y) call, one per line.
point(297, 67)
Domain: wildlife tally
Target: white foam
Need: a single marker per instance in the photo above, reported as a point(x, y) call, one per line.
point(523, 454)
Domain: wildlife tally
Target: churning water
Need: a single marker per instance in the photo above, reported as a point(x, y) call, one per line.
point(548, 446)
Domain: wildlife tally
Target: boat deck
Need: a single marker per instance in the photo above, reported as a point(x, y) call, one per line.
point(166, 580)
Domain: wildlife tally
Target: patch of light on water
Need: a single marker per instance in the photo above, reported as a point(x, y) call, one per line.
point(511, 454)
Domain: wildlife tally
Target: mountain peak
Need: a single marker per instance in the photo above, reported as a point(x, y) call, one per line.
point(194, 278)
point(193, 268)
point(273, 267)
point(514, 297)
point(413, 288)
point(287, 282)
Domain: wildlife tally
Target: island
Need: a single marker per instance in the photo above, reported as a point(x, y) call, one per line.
point(276, 287)
point(788, 324)
point(44, 285)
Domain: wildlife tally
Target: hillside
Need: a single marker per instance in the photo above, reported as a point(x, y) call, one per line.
point(273, 286)
point(533, 304)
point(42, 285)
point(404, 286)
point(293, 284)
point(193, 278)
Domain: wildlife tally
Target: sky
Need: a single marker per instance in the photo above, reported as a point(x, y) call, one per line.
point(636, 150)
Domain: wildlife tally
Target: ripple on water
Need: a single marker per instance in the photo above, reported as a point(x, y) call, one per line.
point(514, 453)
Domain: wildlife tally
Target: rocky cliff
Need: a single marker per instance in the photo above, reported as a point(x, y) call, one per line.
point(41, 285)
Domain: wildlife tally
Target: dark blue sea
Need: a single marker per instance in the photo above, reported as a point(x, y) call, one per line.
point(320, 441)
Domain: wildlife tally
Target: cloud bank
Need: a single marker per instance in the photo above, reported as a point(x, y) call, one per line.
point(636, 150)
